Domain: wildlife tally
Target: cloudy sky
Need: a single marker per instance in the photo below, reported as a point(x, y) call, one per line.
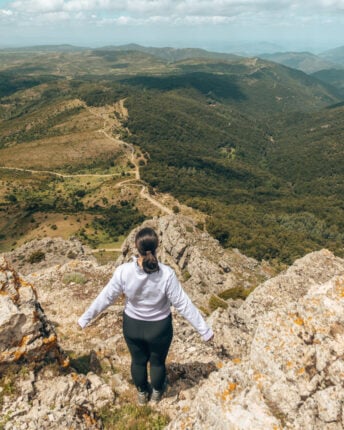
point(221, 25)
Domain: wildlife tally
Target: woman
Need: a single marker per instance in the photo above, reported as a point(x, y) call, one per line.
point(150, 287)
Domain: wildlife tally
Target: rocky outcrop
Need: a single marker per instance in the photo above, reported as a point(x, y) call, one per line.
point(201, 264)
point(51, 401)
point(44, 393)
point(25, 332)
point(290, 376)
point(40, 254)
point(290, 286)
point(277, 360)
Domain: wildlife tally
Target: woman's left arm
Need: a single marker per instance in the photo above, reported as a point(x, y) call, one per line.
point(182, 302)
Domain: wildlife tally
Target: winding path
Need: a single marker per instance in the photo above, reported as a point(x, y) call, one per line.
point(133, 157)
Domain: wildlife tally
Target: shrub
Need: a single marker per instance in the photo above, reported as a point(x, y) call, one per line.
point(132, 417)
point(186, 275)
point(11, 198)
point(215, 302)
point(36, 257)
point(76, 277)
point(236, 293)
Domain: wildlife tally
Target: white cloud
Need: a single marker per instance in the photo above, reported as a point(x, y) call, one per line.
point(37, 6)
point(154, 7)
point(5, 12)
point(172, 12)
point(51, 18)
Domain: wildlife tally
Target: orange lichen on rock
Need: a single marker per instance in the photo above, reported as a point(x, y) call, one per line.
point(80, 379)
point(25, 340)
point(227, 394)
point(65, 362)
point(51, 339)
point(339, 287)
point(18, 354)
point(89, 421)
point(299, 321)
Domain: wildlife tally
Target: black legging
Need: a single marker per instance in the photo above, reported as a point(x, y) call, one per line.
point(148, 341)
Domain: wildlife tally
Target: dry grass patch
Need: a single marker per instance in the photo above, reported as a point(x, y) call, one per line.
point(60, 151)
point(55, 225)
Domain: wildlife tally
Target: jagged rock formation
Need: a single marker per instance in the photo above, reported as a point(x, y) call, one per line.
point(46, 399)
point(202, 265)
point(290, 375)
point(40, 254)
point(277, 361)
point(51, 401)
point(25, 332)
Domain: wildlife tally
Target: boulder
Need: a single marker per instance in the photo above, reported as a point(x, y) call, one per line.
point(291, 373)
point(38, 389)
point(25, 332)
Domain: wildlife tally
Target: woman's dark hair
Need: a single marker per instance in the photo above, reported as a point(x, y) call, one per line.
point(147, 241)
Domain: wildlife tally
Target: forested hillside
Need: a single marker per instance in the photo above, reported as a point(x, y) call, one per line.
point(249, 143)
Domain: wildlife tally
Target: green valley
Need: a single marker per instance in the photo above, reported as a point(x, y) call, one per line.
point(248, 147)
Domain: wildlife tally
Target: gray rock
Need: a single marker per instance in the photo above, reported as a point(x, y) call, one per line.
point(40, 254)
point(293, 366)
point(25, 332)
point(201, 264)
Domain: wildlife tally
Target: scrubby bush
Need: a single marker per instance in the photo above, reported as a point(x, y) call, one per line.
point(76, 277)
point(215, 302)
point(236, 293)
point(36, 257)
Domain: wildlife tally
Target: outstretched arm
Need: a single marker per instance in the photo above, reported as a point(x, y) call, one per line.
point(181, 301)
point(106, 297)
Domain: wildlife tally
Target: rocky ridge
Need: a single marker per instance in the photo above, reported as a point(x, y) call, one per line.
point(289, 374)
point(276, 361)
point(40, 254)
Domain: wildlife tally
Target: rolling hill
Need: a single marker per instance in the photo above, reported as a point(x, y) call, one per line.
point(220, 135)
point(172, 55)
point(334, 55)
point(304, 61)
point(333, 77)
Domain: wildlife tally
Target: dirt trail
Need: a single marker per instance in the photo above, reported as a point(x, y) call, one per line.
point(110, 123)
point(144, 194)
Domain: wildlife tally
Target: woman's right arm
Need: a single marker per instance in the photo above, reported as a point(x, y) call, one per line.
point(106, 297)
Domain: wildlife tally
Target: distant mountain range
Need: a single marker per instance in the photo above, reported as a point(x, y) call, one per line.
point(47, 48)
point(327, 66)
point(305, 61)
point(172, 54)
point(335, 55)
